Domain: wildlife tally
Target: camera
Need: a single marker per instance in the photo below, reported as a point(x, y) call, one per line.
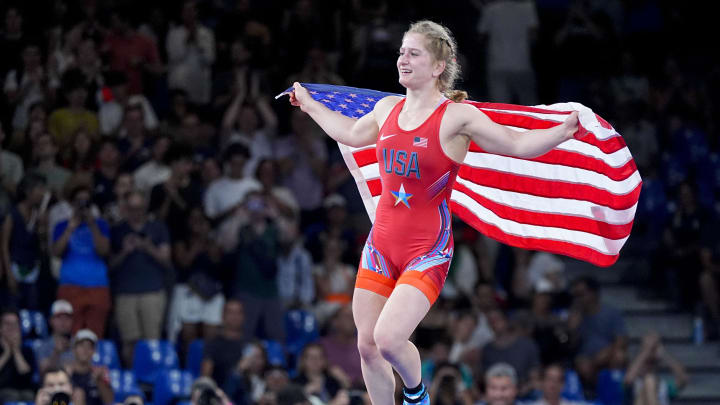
point(60, 398)
point(208, 396)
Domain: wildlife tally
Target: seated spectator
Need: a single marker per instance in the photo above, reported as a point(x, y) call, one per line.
point(549, 331)
point(483, 301)
point(199, 392)
point(316, 377)
point(447, 387)
point(56, 387)
point(21, 250)
point(16, 361)
point(276, 379)
point(94, 380)
point(224, 197)
point(334, 280)
point(82, 241)
point(464, 349)
point(335, 225)
point(280, 199)
point(64, 122)
point(246, 380)
point(140, 262)
point(551, 387)
point(112, 111)
point(197, 298)
point(55, 351)
point(512, 348)
point(501, 385)
point(595, 327)
point(45, 150)
point(340, 345)
point(647, 384)
point(223, 352)
point(11, 167)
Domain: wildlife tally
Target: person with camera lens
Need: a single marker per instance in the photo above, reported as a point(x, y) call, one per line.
point(204, 391)
point(82, 241)
point(58, 389)
point(447, 387)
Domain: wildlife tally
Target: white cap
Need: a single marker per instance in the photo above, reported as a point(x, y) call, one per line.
point(61, 307)
point(334, 200)
point(85, 334)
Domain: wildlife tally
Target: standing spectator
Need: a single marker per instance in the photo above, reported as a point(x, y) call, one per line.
point(512, 348)
point(46, 150)
point(12, 39)
point(21, 250)
point(106, 174)
point(551, 387)
point(296, 285)
point(134, 144)
point(154, 171)
point(334, 225)
point(648, 386)
point(94, 380)
point(240, 76)
point(11, 167)
point(16, 360)
point(597, 328)
point(116, 211)
point(340, 345)
point(55, 351)
point(64, 122)
point(334, 280)
point(225, 196)
point(140, 263)
point(550, 332)
point(112, 110)
point(510, 27)
point(501, 385)
point(224, 351)
point(82, 241)
point(191, 53)
point(280, 199)
point(255, 275)
point(129, 51)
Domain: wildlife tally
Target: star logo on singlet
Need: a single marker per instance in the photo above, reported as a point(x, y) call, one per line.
point(401, 196)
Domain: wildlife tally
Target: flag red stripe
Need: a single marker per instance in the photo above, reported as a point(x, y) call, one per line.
point(549, 188)
point(552, 246)
point(365, 157)
point(589, 225)
point(514, 107)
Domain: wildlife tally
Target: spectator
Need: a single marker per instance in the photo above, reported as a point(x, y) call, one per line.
point(16, 360)
point(302, 157)
point(447, 387)
point(246, 380)
point(23, 141)
point(64, 122)
point(293, 394)
point(94, 380)
point(29, 85)
point(334, 280)
point(510, 28)
point(116, 211)
point(335, 225)
point(205, 391)
point(56, 382)
point(55, 351)
point(464, 349)
point(191, 53)
point(551, 387)
point(510, 347)
point(106, 174)
point(23, 229)
point(129, 51)
point(597, 328)
point(316, 377)
point(340, 345)
point(648, 386)
point(501, 385)
point(550, 332)
point(295, 282)
point(140, 264)
point(154, 171)
point(198, 299)
point(276, 379)
point(82, 241)
point(11, 167)
point(46, 165)
point(483, 302)
point(316, 69)
point(223, 352)
point(12, 39)
point(114, 104)
point(172, 200)
point(240, 78)
point(135, 145)
point(280, 199)
point(81, 157)
point(256, 271)
point(225, 196)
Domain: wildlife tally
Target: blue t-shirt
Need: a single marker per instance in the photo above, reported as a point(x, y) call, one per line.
point(600, 330)
point(81, 265)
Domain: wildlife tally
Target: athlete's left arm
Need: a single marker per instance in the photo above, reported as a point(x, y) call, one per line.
point(495, 138)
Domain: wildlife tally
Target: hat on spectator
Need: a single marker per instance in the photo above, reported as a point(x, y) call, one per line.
point(85, 334)
point(61, 307)
point(334, 200)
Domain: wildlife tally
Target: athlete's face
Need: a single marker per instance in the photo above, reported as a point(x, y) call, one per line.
point(416, 65)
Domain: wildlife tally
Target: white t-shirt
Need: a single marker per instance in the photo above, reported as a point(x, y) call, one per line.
point(222, 194)
point(507, 24)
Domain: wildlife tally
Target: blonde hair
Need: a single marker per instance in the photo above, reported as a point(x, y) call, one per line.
point(443, 47)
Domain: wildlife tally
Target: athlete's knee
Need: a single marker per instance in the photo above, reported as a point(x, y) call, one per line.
point(388, 344)
point(367, 348)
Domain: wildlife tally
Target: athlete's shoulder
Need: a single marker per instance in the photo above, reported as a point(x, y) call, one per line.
point(383, 108)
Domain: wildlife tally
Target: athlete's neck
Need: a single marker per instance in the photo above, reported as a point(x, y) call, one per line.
point(420, 99)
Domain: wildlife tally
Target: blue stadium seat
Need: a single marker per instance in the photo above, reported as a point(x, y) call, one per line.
point(124, 384)
point(275, 352)
point(106, 354)
point(573, 390)
point(193, 361)
point(610, 387)
point(33, 324)
point(151, 357)
point(18, 403)
point(301, 328)
point(172, 385)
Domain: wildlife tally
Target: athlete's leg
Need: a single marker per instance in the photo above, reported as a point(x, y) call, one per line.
point(377, 372)
point(402, 313)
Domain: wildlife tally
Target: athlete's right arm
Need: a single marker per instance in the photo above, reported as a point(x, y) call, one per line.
point(346, 130)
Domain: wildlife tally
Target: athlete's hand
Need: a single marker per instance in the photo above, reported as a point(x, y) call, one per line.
point(570, 126)
point(300, 97)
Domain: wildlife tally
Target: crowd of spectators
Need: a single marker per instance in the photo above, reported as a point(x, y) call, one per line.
point(150, 188)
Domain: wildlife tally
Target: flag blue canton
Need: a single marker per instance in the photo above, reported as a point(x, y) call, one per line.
point(350, 101)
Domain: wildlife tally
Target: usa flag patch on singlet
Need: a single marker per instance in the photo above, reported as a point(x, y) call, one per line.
point(420, 142)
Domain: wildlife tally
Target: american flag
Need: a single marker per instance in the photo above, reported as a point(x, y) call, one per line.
point(577, 200)
point(420, 142)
